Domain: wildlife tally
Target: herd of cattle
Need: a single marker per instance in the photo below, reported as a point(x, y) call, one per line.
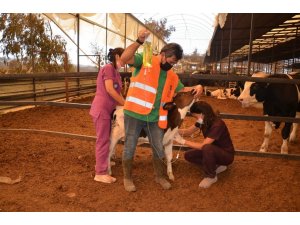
point(276, 99)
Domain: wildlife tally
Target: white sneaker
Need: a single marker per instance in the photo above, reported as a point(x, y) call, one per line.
point(207, 182)
point(221, 169)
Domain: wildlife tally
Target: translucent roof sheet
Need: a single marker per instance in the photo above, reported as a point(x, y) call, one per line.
point(193, 31)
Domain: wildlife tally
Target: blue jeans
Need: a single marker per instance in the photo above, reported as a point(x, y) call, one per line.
point(133, 129)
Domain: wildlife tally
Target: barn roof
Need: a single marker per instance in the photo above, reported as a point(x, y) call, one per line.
point(274, 37)
point(287, 50)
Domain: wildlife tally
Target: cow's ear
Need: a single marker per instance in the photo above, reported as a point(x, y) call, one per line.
point(169, 105)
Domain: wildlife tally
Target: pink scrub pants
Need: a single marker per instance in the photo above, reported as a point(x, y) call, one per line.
point(103, 127)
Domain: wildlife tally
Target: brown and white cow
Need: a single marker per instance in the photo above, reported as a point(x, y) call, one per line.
point(276, 99)
point(177, 110)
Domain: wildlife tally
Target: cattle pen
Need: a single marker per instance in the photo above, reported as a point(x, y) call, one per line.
point(82, 90)
point(47, 137)
point(65, 159)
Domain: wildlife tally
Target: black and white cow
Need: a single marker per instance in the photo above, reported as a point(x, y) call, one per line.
point(177, 111)
point(276, 99)
point(231, 93)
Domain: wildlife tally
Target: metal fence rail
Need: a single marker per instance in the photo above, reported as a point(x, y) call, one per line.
point(217, 77)
point(175, 147)
point(39, 89)
point(44, 87)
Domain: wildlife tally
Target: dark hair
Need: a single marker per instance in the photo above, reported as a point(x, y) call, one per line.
point(172, 49)
point(112, 55)
point(209, 115)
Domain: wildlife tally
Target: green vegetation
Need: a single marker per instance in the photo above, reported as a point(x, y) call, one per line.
point(160, 28)
point(28, 44)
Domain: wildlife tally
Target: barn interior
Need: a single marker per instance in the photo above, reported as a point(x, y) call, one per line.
point(53, 105)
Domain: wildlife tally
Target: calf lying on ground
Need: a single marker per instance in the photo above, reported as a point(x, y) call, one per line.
point(232, 93)
point(277, 99)
point(177, 110)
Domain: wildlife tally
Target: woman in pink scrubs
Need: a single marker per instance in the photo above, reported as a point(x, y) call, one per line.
point(108, 95)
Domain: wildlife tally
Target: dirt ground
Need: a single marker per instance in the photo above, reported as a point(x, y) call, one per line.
point(57, 172)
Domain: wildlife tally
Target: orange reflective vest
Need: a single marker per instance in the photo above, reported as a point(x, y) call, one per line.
point(143, 89)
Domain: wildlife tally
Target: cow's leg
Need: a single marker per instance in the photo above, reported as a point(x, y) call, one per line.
point(294, 130)
point(293, 133)
point(285, 133)
point(169, 156)
point(168, 147)
point(267, 135)
point(116, 134)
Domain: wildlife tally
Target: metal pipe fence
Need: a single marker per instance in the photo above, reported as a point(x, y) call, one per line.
point(20, 90)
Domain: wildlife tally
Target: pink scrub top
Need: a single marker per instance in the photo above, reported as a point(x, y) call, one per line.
point(103, 104)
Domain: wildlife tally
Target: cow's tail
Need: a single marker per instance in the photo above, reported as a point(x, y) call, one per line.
point(113, 118)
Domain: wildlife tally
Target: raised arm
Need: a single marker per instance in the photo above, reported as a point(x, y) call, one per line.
point(128, 54)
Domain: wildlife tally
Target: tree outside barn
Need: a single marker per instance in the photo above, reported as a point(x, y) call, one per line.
point(29, 44)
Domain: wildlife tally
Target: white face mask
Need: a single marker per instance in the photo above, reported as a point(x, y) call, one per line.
point(200, 121)
point(118, 64)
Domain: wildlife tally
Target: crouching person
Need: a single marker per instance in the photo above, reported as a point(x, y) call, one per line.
point(216, 151)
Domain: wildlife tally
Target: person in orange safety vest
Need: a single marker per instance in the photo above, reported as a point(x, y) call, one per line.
point(150, 88)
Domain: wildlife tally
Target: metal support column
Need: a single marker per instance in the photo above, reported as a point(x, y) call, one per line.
point(229, 47)
point(78, 27)
point(250, 45)
point(106, 34)
point(221, 52)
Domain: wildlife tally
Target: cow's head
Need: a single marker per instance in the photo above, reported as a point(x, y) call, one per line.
point(236, 92)
point(178, 108)
point(125, 86)
point(232, 93)
point(259, 90)
point(253, 92)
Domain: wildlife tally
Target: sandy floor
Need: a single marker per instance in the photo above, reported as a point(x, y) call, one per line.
point(57, 172)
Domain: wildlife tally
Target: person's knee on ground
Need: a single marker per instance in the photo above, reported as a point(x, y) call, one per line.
point(188, 156)
point(193, 156)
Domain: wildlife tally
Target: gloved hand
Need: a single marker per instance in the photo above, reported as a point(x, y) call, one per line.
point(179, 139)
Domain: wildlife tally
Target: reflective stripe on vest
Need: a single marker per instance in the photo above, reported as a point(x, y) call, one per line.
point(143, 87)
point(143, 90)
point(162, 118)
point(140, 102)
